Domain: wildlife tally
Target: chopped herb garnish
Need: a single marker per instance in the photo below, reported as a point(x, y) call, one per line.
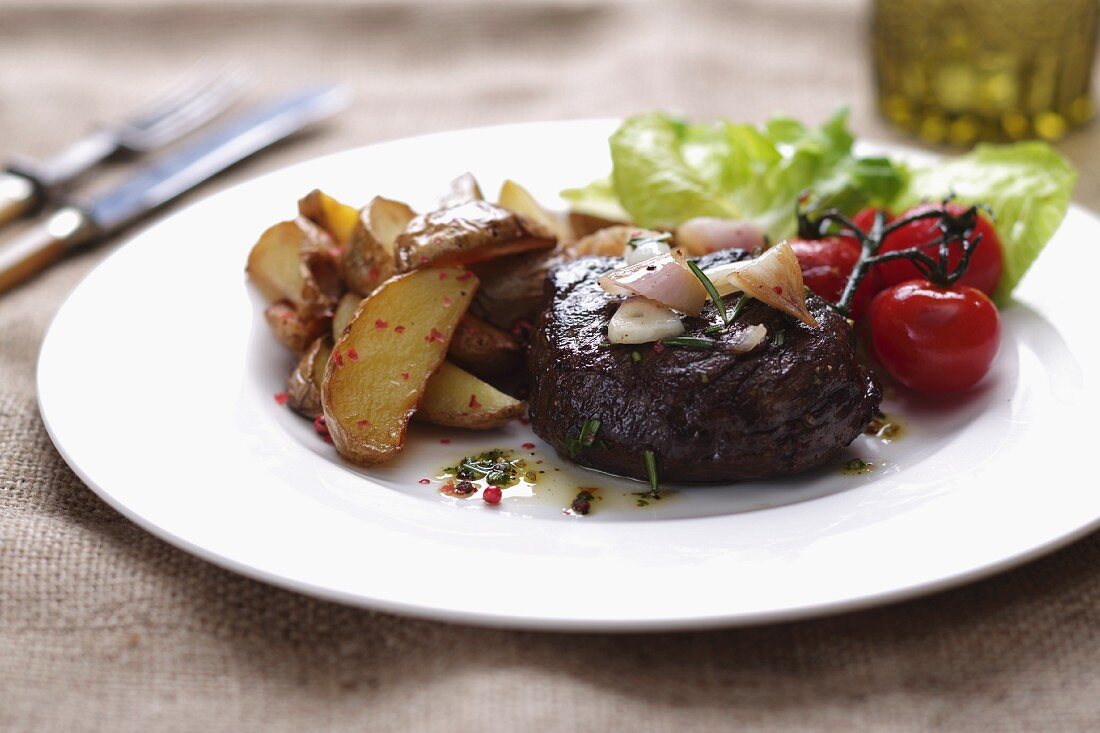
point(495, 467)
point(651, 469)
point(586, 436)
point(856, 467)
point(779, 338)
point(635, 356)
point(711, 290)
point(690, 342)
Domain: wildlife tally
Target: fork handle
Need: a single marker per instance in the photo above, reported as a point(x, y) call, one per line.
point(18, 195)
point(38, 248)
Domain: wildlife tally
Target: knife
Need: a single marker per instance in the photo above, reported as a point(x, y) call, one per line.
point(172, 175)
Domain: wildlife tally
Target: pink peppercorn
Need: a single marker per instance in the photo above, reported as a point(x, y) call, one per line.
point(492, 495)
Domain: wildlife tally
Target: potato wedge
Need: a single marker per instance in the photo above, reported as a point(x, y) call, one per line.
point(326, 212)
point(484, 349)
point(608, 242)
point(387, 219)
point(292, 261)
point(464, 189)
point(518, 199)
point(291, 329)
point(454, 398)
point(582, 224)
point(303, 385)
point(468, 233)
point(364, 262)
point(343, 314)
point(380, 366)
point(512, 287)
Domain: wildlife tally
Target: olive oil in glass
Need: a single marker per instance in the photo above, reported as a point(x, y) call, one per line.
point(959, 71)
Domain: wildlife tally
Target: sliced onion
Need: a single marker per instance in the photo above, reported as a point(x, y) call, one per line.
point(705, 234)
point(719, 276)
point(665, 279)
point(648, 249)
point(748, 339)
point(640, 321)
point(776, 279)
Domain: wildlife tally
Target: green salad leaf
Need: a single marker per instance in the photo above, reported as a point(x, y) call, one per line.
point(666, 171)
point(1026, 185)
point(596, 199)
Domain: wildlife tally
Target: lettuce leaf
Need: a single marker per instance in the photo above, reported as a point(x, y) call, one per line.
point(666, 171)
point(596, 199)
point(1027, 186)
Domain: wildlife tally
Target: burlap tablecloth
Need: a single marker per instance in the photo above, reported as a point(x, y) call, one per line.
point(103, 627)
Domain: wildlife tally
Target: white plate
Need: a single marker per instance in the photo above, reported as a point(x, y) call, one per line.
point(156, 381)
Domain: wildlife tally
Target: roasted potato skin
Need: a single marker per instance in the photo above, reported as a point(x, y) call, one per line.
point(471, 232)
point(485, 350)
point(364, 262)
point(512, 287)
point(380, 367)
point(387, 218)
point(463, 190)
point(303, 384)
point(292, 330)
point(455, 398)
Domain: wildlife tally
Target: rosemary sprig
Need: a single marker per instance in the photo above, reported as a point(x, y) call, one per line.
point(586, 436)
point(651, 470)
point(711, 290)
point(739, 306)
point(690, 342)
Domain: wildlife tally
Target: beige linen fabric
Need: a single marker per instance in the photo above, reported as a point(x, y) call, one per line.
point(103, 627)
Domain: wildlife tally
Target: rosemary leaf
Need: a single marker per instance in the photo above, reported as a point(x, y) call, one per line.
point(690, 342)
point(711, 290)
point(651, 469)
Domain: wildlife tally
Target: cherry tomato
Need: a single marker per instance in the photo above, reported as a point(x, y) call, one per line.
point(985, 264)
point(934, 339)
point(865, 217)
point(826, 264)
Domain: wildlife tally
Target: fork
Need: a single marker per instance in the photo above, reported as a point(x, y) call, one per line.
point(184, 106)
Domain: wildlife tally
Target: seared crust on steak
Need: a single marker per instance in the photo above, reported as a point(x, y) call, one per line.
point(789, 405)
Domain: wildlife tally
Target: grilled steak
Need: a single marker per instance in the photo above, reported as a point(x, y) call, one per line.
point(788, 405)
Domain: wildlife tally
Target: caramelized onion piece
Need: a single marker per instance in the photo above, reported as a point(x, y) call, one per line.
point(776, 279)
point(748, 339)
point(705, 234)
point(665, 279)
point(640, 321)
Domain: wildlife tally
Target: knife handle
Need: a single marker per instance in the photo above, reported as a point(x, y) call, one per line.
point(35, 250)
point(18, 195)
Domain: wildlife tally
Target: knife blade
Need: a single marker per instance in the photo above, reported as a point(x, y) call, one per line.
point(165, 179)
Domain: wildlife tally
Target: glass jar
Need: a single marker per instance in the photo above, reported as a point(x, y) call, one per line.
point(958, 71)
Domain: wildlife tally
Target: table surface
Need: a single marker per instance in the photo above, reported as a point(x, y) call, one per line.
point(105, 627)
